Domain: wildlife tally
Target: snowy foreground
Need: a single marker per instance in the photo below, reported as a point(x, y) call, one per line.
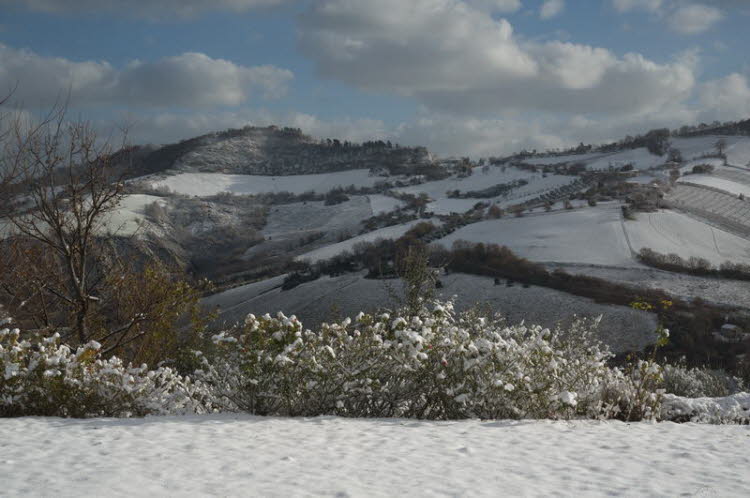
point(239, 455)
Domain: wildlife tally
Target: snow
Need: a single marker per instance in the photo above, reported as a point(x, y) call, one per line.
point(598, 236)
point(205, 184)
point(570, 158)
point(476, 181)
point(124, 221)
point(327, 252)
point(672, 232)
point(621, 328)
point(240, 455)
point(719, 183)
point(441, 204)
point(714, 290)
point(728, 409)
point(738, 151)
point(130, 214)
point(381, 204)
point(640, 158)
point(588, 235)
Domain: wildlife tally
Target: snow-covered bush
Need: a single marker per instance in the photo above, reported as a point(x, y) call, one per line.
point(432, 364)
point(696, 382)
point(734, 409)
point(44, 377)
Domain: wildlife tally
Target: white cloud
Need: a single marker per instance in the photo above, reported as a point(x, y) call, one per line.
point(411, 47)
point(454, 58)
point(726, 98)
point(628, 5)
point(187, 80)
point(551, 8)
point(683, 16)
point(693, 19)
point(499, 6)
point(143, 8)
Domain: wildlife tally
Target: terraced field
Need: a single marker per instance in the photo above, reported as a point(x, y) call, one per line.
point(718, 207)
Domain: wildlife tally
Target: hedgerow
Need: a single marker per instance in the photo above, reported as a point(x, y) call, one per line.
point(432, 364)
point(41, 376)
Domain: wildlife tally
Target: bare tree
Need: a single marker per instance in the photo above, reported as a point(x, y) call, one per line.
point(67, 190)
point(62, 265)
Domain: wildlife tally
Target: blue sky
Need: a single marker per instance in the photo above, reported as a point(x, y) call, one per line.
point(474, 77)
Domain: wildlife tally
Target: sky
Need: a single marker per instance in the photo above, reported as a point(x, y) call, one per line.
point(462, 77)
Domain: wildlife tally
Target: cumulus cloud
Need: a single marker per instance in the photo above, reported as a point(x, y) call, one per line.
point(142, 8)
point(498, 6)
point(411, 47)
point(187, 80)
point(683, 16)
point(726, 98)
point(455, 58)
point(693, 19)
point(551, 8)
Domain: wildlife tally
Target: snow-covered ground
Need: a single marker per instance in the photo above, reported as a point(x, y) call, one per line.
point(730, 186)
point(203, 184)
point(737, 151)
point(476, 181)
point(621, 328)
point(290, 219)
point(715, 290)
point(672, 232)
point(383, 204)
point(124, 221)
point(441, 204)
point(130, 214)
point(564, 159)
point(640, 158)
point(598, 236)
point(588, 235)
point(242, 455)
point(327, 252)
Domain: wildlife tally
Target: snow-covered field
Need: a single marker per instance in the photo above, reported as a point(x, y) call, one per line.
point(715, 290)
point(723, 209)
point(621, 328)
point(124, 221)
point(204, 184)
point(598, 236)
point(441, 204)
point(383, 204)
point(327, 252)
point(130, 214)
point(242, 455)
point(737, 151)
point(672, 232)
point(289, 219)
point(588, 235)
point(724, 184)
point(476, 181)
point(640, 158)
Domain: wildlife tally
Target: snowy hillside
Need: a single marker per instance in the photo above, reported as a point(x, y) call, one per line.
point(694, 148)
point(205, 184)
point(586, 235)
point(328, 252)
point(622, 328)
point(239, 455)
point(599, 236)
